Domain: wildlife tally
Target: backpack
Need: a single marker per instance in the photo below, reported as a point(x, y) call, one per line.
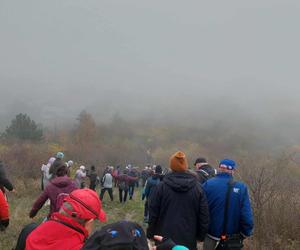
point(206, 172)
point(60, 200)
point(122, 235)
point(123, 185)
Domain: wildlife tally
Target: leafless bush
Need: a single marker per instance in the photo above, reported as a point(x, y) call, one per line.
point(275, 200)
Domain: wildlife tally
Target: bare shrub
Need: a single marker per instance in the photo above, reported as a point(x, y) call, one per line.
point(275, 201)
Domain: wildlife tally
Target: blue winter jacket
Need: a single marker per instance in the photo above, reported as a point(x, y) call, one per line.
point(151, 183)
point(240, 218)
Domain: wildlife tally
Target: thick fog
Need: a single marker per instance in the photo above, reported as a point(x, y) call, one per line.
point(188, 61)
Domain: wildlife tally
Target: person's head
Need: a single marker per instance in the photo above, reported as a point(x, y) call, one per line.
point(70, 163)
point(227, 166)
point(59, 166)
point(93, 168)
point(83, 206)
point(62, 170)
point(122, 235)
point(60, 155)
point(200, 162)
point(82, 168)
point(178, 162)
point(158, 169)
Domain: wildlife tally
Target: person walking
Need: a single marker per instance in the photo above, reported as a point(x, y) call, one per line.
point(69, 164)
point(57, 163)
point(178, 208)
point(145, 175)
point(123, 185)
point(229, 206)
point(132, 183)
point(46, 176)
point(107, 184)
point(80, 176)
point(55, 191)
point(116, 172)
point(204, 170)
point(93, 178)
point(150, 185)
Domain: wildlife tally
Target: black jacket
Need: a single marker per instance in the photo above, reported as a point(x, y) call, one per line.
point(205, 172)
point(178, 210)
point(93, 177)
point(4, 182)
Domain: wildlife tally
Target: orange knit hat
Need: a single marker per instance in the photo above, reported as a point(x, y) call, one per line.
point(178, 162)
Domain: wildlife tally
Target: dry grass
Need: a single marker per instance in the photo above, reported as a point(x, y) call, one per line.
point(21, 202)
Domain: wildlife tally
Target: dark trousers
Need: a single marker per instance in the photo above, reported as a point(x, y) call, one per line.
point(116, 182)
point(93, 186)
point(110, 192)
point(146, 210)
point(122, 197)
point(131, 191)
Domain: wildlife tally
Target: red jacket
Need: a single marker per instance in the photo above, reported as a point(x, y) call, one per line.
point(4, 212)
point(53, 235)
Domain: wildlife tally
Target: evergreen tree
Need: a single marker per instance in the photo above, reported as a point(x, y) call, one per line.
point(23, 128)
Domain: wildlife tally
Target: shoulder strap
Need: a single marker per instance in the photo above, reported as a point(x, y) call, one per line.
point(227, 202)
point(206, 174)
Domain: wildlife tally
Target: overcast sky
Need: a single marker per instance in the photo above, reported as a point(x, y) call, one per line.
point(148, 57)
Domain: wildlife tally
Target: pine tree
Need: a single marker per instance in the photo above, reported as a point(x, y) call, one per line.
point(23, 128)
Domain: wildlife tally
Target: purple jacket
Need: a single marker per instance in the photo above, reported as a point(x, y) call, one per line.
point(58, 185)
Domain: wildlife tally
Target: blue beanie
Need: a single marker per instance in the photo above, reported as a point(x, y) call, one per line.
point(227, 163)
point(60, 155)
point(178, 247)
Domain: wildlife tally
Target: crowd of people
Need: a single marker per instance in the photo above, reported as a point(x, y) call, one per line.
point(182, 206)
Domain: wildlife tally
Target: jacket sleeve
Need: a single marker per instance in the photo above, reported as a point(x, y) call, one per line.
point(4, 211)
point(39, 203)
point(144, 191)
point(246, 221)
point(154, 211)
point(4, 181)
point(147, 189)
point(203, 216)
point(132, 178)
point(117, 177)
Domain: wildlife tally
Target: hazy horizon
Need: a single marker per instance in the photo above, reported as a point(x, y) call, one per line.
point(161, 60)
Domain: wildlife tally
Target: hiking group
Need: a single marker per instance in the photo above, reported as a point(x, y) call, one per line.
point(182, 207)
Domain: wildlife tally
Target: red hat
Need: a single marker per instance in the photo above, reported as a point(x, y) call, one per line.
point(86, 205)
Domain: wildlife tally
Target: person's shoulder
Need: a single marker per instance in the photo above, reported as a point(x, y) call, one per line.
point(240, 184)
point(213, 180)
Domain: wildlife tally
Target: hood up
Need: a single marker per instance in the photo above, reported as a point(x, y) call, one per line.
point(180, 182)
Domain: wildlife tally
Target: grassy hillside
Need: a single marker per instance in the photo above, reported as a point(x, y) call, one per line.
point(27, 192)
